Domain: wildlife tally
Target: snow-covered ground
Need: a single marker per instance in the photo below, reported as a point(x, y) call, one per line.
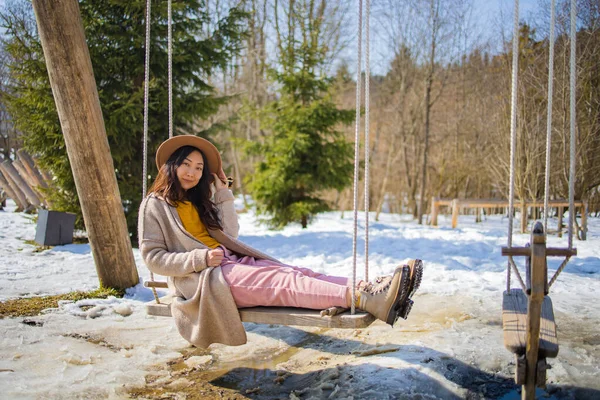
point(450, 347)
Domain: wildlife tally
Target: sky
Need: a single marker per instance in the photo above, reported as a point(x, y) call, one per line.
point(489, 18)
point(450, 347)
point(486, 19)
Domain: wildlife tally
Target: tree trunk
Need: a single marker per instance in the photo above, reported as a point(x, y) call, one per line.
point(428, 105)
point(388, 167)
point(76, 96)
point(238, 175)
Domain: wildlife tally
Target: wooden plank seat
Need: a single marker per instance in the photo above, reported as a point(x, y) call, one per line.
point(156, 284)
point(280, 316)
point(514, 322)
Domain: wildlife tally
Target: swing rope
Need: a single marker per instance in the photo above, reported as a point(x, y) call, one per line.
point(549, 116)
point(357, 132)
point(170, 66)
point(146, 94)
point(367, 154)
point(146, 100)
point(572, 110)
point(513, 145)
point(572, 122)
point(356, 150)
point(573, 76)
point(145, 139)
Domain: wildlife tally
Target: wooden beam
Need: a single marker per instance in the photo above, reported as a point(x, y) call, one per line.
point(30, 166)
point(443, 202)
point(24, 174)
point(155, 284)
point(550, 252)
point(458, 204)
point(38, 181)
point(7, 187)
point(28, 179)
point(76, 97)
point(20, 197)
point(473, 203)
point(8, 169)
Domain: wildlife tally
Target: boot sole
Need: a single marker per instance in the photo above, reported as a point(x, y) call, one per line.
point(405, 306)
point(403, 290)
point(416, 276)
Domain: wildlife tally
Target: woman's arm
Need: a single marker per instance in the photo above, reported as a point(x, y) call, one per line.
point(163, 262)
point(154, 249)
point(224, 201)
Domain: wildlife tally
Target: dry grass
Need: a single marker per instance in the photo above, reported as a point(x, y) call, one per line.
point(30, 306)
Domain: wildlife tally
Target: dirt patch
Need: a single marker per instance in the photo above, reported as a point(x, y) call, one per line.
point(98, 341)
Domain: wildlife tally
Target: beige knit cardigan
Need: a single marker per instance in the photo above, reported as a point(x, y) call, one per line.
point(203, 307)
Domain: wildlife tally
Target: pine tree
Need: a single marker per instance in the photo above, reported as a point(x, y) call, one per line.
point(304, 153)
point(115, 33)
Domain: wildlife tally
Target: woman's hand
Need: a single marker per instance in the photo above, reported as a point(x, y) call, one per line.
point(214, 257)
point(219, 183)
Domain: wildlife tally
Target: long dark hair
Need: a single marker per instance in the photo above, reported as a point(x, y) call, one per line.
point(167, 186)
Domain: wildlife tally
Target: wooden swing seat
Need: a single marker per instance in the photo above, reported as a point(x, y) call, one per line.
point(280, 316)
point(514, 322)
point(274, 315)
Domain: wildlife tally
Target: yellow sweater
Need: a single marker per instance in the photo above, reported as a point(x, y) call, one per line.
point(193, 224)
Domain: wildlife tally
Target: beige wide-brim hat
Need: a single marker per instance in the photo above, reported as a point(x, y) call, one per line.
point(169, 146)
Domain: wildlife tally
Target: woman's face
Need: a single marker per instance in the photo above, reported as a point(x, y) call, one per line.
point(190, 170)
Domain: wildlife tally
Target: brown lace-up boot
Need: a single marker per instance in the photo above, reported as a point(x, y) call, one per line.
point(384, 304)
point(389, 298)
point(380, 283)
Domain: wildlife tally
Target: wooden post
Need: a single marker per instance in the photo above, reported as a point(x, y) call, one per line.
point(29, 165)
point(561, 211)
point(455, 213)
point(584, 211)
point(10, 170)
point(6, 186)
point(33, 171)
point(534, 308)
point(76, 96)
point(20, 197)
point(435, 209)
point(28, 179)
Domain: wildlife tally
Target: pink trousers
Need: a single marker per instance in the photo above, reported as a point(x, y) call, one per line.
point(256, 282)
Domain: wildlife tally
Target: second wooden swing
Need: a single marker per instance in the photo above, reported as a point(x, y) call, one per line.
point(527, 313)
point(332, 318)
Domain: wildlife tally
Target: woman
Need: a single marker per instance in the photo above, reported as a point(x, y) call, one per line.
point(188, 232)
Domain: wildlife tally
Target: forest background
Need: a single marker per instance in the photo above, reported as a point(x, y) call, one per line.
point(272, 83)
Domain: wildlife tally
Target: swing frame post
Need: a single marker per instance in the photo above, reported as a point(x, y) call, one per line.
point(535, 299)
point(528, 316)
point(78, 106)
